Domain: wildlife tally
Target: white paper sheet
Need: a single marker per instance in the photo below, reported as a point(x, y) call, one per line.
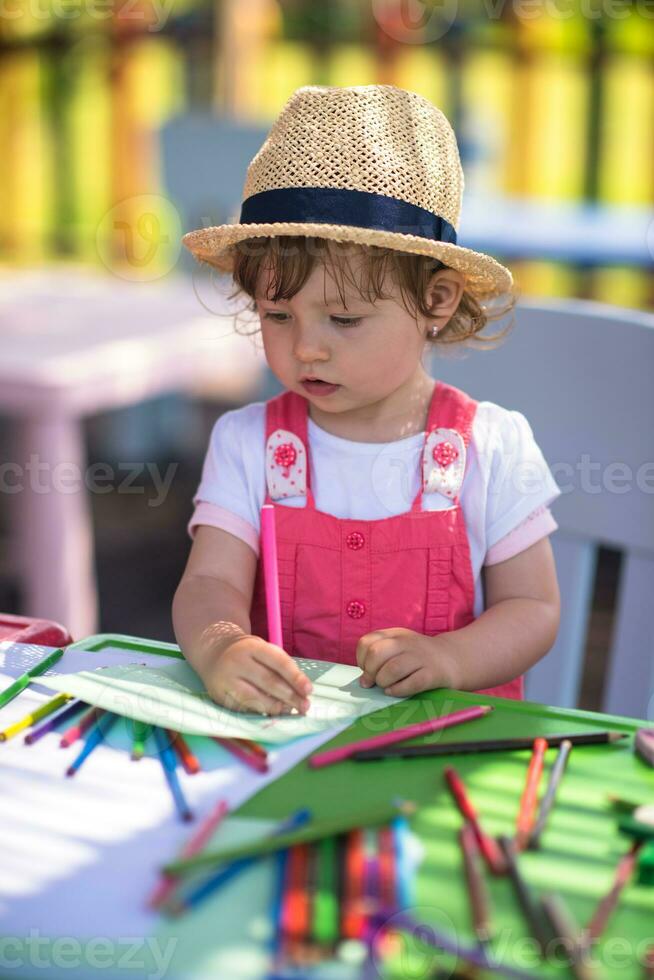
point(80, 854)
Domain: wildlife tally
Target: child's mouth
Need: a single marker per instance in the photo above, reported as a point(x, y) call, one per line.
point(319, 387)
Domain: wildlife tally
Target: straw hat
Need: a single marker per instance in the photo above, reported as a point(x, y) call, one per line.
point(371, 164)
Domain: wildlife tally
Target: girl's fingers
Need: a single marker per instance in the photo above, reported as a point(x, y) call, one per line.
point(268, 680)
point(413, 684)
point(276, 659)
point(244, 696)
point(376, 656)
point(395, 668)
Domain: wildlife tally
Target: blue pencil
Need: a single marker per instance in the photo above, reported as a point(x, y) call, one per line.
point(169, 764)
point(93, 739)
point(228, 871)
point(404, 889)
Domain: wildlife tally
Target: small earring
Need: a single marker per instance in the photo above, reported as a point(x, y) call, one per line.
point(433, 332)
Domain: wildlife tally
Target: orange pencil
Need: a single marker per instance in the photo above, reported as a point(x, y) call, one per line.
point(77, 730)
point(296, 903)
point(353, 919)
point(527, 810)
point(183, 752)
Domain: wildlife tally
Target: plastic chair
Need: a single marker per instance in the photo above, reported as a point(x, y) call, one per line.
point(581, 372)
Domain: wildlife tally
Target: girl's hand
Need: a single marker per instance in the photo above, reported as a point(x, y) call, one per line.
point(404, 662)
point(249, 674)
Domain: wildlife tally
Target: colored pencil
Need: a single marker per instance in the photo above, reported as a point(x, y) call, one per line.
point(77, 730)
point(95, 736)
point(624, 871)
point(167, 884)
point(167, 757)
point(371, 879)
point(550, 793)
point(23, 681)
point(410, 731)
point(315, 830)
point(529, 799)
point(53, 720)
point(296, 907)
point(487, 845)
point(567, 932)
point(488, 745)
point(180, 745)
point(231, 868)
point(387, 871)
point(271, 575)
point(253, 747)
point(530, 908)
point(252, 759)
point(277, 939)
point(141, 733)
point(325, 900)
point(403, 868)
point(28, 720)
point(352, 914)
point(477, 892)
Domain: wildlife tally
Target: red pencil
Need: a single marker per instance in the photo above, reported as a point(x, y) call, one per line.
point(529, 800)
point(487, 845)
point(77, 730)
point(623, 873)
point(387, 886)
point(252, 746)
point(189, 761)
point(250, 758)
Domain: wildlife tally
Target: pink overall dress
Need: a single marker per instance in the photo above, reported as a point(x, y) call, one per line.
point(342, 578)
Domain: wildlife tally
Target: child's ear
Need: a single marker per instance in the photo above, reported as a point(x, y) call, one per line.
point(443, 295)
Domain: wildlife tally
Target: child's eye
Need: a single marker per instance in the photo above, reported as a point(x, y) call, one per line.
point(341, 321)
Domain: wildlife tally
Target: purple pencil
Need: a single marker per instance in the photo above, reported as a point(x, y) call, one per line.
point(64, 713)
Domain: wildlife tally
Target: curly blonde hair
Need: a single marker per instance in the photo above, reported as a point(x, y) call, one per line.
point(292, 259)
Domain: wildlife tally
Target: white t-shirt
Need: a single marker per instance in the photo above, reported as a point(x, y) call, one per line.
point(505, 480)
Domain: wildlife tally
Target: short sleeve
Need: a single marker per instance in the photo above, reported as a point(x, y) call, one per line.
point(519, 481)
point(228, 493)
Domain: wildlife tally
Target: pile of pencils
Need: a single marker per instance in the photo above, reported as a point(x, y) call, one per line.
point(548, 919)
point(336, 889)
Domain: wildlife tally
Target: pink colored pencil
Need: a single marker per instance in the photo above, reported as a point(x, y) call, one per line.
point(76, 731)
point(270, 574)
point(388, 738)
point(194, 845)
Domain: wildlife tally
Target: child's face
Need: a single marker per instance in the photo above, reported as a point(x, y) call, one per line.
point(375, 361)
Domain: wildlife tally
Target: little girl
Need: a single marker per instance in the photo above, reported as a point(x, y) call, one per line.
point(392, 492)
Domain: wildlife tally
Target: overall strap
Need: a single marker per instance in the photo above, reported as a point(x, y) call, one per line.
point(447, 436)
point(287, 448)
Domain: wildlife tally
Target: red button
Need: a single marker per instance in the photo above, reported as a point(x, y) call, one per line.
point(356, 609)
point(355, 540)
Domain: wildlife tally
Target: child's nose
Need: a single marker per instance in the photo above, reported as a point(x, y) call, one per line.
point(309, 344)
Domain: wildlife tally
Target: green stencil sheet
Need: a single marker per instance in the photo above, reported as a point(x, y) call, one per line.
point(580, 846)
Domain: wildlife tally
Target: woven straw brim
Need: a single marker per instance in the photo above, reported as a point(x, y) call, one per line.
point(485, 277)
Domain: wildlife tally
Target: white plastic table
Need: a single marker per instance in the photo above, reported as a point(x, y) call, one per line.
point(73, 342)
